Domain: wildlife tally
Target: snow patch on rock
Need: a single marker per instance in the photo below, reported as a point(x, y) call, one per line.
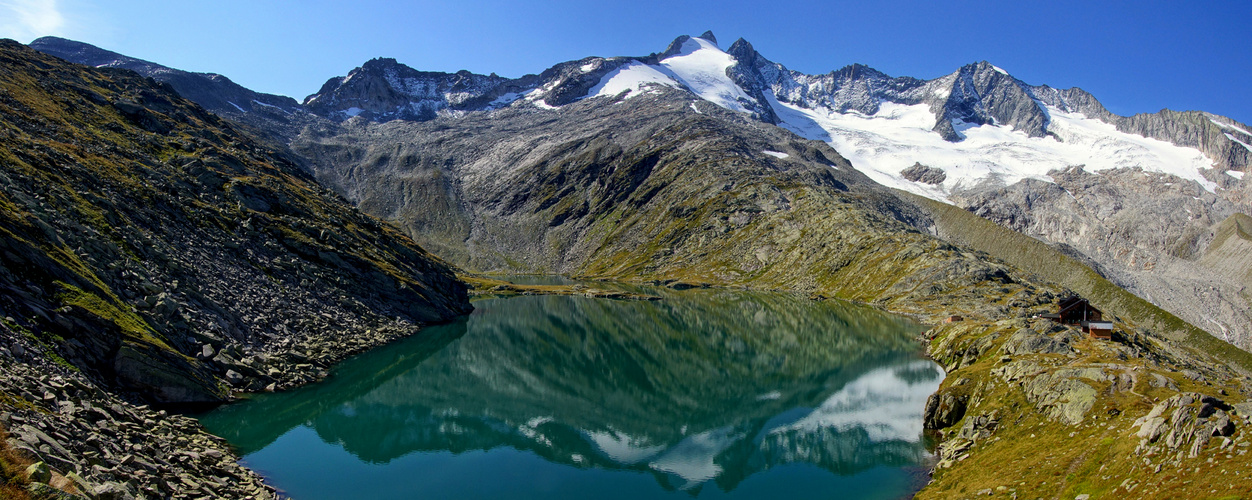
point(631, 77)
point(1231, 127)
point(1241, 143)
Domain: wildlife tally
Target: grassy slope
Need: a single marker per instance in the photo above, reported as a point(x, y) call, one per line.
point(1032, 456)
point(13, 466)
point(1038, 457)
point(1031, 255)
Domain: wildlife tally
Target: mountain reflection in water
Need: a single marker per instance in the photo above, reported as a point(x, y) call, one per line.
point(702, 387)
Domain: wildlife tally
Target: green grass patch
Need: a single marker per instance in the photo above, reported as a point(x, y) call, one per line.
point(129, 322)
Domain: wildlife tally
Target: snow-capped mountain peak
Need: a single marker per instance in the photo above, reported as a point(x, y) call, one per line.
point(977, 126)
point(702, 67)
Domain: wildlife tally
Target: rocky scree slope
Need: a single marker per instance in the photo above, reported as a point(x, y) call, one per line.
point(68, 438)
point(1150, 233)
point(137, 223)
point(154, 252)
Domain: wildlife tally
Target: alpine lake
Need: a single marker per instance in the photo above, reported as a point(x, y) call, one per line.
point(705, 393)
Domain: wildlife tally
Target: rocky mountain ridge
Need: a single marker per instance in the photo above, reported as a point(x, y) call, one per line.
point(978, 94)
point(214, 92)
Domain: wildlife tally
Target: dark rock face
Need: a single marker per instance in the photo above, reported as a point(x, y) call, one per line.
point(982, 94)
point(944, 409)
point(924, 174)
point(383, 89)
point(752, 82)
point(139, 229)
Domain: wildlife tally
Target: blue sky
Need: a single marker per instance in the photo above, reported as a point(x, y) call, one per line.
point(1134, 56)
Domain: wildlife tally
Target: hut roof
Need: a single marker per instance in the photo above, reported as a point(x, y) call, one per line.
point(1074, 302)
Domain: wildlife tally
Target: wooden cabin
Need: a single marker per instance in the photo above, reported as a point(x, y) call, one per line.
point(1077, 311)
point(1074, 311)
point(953, 319)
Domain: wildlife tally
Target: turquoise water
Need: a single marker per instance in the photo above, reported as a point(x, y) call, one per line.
point(704, 394)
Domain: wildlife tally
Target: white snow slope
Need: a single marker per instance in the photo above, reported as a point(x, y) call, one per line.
point(883, 144)
point(897, 136)
point(632, 77)
point(699, 66)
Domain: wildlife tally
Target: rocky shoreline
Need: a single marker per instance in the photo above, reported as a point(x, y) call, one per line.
point(84, 442)
point(95, 444)
point(483, 288)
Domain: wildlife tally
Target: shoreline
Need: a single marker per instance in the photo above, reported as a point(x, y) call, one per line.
point(987, 363)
